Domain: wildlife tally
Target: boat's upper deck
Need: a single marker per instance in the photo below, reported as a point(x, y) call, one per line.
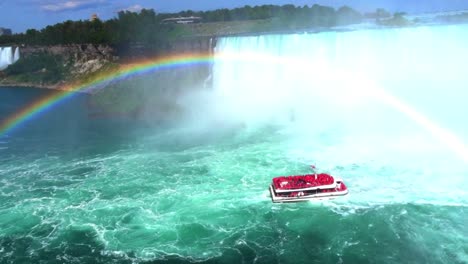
point(303, 182)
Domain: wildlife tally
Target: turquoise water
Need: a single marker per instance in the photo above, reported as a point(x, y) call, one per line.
point(79, 190)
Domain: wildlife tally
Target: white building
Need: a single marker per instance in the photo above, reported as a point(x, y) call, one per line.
point(182, 20)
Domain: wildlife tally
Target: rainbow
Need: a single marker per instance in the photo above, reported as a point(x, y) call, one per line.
point(127, 71)
point(143, 67)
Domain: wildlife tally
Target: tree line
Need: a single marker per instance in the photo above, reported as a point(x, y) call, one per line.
point(146, 26)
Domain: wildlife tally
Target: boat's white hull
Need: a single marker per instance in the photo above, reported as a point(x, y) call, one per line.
point(310, 197)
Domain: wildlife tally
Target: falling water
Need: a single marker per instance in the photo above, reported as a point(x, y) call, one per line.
point(8, 56)
point(16, 57)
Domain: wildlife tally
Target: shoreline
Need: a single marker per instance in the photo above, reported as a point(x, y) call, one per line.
point(55, 87)
point(29, 85)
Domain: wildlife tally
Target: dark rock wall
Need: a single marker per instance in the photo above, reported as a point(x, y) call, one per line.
point(186, 45)
point(78, 52)
point(85, 52)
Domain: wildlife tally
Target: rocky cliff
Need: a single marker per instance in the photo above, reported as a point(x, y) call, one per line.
point(54, 66)
point(183, 45)
point(82, 58)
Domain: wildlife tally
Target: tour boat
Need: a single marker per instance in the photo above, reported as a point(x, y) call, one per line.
point(306, 187)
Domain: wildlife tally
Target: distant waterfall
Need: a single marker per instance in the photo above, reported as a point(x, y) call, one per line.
point(8, 55)
point(16, 56)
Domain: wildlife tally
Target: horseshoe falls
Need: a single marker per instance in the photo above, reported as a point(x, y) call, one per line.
point(383, 109)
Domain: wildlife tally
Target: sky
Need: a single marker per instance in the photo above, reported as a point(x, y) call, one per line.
point(20, 15)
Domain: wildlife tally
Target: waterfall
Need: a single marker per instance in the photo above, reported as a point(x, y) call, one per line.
point(8, 56)
point(17, 55)
point(333, 71)
point(403, 87)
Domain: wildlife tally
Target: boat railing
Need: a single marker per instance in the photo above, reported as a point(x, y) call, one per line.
point(300, 182)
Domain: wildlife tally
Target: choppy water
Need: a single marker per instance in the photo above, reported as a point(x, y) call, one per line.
point(79, 190)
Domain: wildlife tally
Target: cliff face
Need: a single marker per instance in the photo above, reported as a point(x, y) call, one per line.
point(193, 45)
point(81, 58)
point(75, 51)
point(181, 46)
point(56, 66)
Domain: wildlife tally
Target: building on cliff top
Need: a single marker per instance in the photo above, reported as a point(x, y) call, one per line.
point(182, 20)
point(5, 31)
point(94, 17)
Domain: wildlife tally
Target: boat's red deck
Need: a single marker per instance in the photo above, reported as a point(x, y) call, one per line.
point(302, 181)
point(341, 187)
